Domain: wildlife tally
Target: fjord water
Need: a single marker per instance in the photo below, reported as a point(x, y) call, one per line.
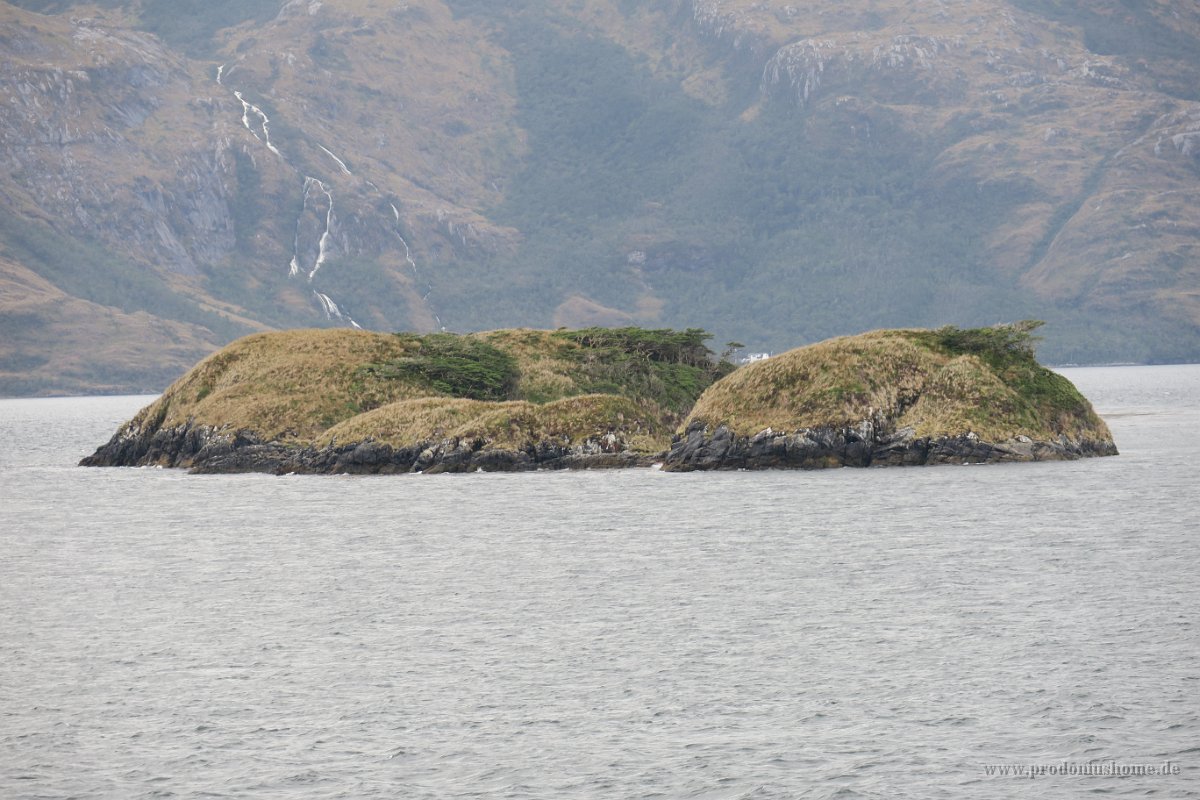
point(848, 633)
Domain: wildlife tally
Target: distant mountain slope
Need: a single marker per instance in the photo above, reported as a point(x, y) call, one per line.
point(773, 171)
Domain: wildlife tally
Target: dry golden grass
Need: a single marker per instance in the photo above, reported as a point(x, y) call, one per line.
point(408, 422)
point(514, 424)
point(837, 382)
point(964, 395)
point(897, 377)
point(288, 386)
point(572, 420)
point(545, 369)
point(309, 386)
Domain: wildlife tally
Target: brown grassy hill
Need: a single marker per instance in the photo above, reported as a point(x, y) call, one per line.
point(511, 390)
point(772, 172)
point(53, 342)
point(892, 398)
point(333, 401)
point(938, 383)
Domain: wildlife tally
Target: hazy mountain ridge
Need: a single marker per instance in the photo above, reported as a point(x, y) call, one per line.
point(1027, 108)
point(771, 171)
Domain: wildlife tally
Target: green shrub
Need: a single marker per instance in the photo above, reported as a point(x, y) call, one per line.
point(666, 367)
point(998, 345)
point(454, 365)
point(661, 345)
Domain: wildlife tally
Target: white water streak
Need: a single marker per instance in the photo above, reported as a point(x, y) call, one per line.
point(249, 108)
point(328, 306)
point(332, 311)
point(220, 72)
point(246, 115)
point(340, 163)
point(412, 265)
point(326, 237)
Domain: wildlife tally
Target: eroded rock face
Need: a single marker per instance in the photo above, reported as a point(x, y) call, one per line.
point(700, 448)
point(206, 450)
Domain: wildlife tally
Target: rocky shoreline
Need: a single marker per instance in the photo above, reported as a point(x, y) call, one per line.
point(520, 400)
point(700, 448)
point(206, 450)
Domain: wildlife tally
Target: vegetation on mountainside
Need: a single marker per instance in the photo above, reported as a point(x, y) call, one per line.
point(626, 158)
point(943, 382)
point(99, 349)
point(187, 24)
point(107, 281)
point(1168, 53)
point(771, 222)
point(750, 220)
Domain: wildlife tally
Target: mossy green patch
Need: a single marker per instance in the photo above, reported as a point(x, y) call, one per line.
point(997, 345)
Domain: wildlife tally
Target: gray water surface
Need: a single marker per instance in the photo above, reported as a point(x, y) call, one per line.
point(847, 633)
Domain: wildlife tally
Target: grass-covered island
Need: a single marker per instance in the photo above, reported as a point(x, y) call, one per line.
point(333, 401)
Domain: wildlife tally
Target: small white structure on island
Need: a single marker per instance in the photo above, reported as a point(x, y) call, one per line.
point(752, 357)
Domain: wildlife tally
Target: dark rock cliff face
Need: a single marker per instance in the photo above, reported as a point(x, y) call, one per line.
point(207, 450)
point(818, 448)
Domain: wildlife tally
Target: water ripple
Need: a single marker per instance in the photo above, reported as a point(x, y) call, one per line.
point(844, 634)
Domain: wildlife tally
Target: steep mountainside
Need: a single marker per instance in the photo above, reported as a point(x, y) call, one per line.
point(179, 174)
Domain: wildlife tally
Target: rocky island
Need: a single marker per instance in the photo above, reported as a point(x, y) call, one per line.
point(893, 398)
point(346, 401)
point(338, 401)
